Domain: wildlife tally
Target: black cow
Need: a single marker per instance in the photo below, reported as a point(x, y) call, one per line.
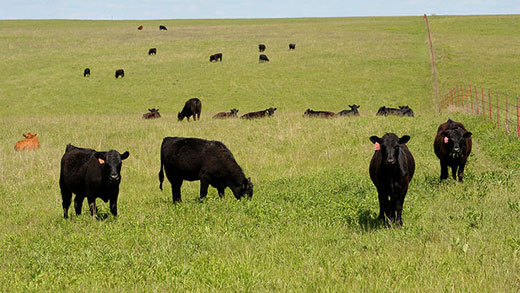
point(292, 46)
point(215, 57)
point(391, 170)
point(261, 47)
point(192, 107)
point(259, 114)
point(263, 58)
point(222, 115)
point(162, 28)
point(152, 51)
point(321, 114)
point(152, 114)
point(211, 162)
point(452, 146)
point(352, 112)
point(120, 72)
point(91, 174)
point(401, 111)
point(86, 72)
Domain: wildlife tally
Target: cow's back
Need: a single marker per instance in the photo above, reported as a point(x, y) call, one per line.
point(182, 156)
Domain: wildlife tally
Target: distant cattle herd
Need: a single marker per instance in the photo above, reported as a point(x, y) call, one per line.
point(92, 174)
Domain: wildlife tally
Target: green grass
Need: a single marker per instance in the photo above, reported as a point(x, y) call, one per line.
point(311, 225)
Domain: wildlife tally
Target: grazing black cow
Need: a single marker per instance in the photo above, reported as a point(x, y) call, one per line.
point(120, 72)
point(352, 112)
point(91, 174)
point(192, 107)
point(406, 111)
point(152, 51)
point(215, 57)
point(152, 114)
point(259, 114)
point(222, 115)
point(86, 72)
point(162, 28)
point(452, 146)
point(263, 58)
point(391, 170)
point(320, 114)
point(211, 162)
point(292, 46)
point(261, 47)
point(140, 27)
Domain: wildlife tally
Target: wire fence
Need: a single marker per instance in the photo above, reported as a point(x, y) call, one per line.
point(501, 108)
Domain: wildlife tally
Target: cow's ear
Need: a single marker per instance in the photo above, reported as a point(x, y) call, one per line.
point(24, 135)
point(375, 139)
point(124, 155)
point(444, 134)
point(100, 156)
point(467, 135)
point(404, 139)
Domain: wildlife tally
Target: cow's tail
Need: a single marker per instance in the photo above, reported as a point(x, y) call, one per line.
point(161, 174)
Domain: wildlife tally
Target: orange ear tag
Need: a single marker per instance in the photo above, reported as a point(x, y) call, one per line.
point(377, 146)
point(101, 161)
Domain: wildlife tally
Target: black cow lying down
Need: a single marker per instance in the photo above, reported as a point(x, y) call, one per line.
point(211, 162)
point(352, 112)
point(91, 174)
point(391, 170)
point(402, 111)
point(320, 114)
point(259, 114)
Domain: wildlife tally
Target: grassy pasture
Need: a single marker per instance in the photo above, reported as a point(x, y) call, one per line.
point(311, 223)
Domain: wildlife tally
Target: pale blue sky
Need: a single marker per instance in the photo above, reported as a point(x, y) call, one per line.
point(176, 9)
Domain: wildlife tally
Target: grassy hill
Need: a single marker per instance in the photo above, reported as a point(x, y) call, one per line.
point(311, 225)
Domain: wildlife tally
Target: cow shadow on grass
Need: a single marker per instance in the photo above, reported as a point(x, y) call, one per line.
point(369, 220)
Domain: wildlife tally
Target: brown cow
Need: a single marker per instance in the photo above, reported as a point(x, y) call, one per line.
point(320, 114)
point(29, 143)
point(452, 146)
point(153, 114)
point(223, 115)
point(140, 27)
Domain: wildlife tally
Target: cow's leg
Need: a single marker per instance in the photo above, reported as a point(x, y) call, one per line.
point(66, 197)
point(198, 116)
point(444, 170)
point(454, 172)
point(176, 190)
point(399, 209)
point(113, 206)
point(92, 205)
point(78, 203)
point(461, 171)
point(220, 190)
point(204, 184)
point(383, 199)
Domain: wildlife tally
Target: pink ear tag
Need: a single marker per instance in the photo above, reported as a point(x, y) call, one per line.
point(377, 146)
point(446, 140)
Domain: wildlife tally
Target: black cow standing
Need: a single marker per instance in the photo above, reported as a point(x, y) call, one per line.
point(261, 47)
point(152, 51)
point(162, 28)
point(391, 170)
point(120, 72)
point(452, 146)
point(91, 174)
point(263, 58)
point(352, 112)
point(192, 107)
point(215, 57)
point(211, 162)
point(292, 46)
point(86, 72)
point(259, 114)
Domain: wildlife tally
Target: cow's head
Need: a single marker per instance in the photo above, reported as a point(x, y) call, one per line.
point(389, 146)
point(180, 116)
point(246, 188)
point(354, 107)
point(111, 162)
point(29, 135)
point(234, 112)
point(270, 111)
point(455, 141)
